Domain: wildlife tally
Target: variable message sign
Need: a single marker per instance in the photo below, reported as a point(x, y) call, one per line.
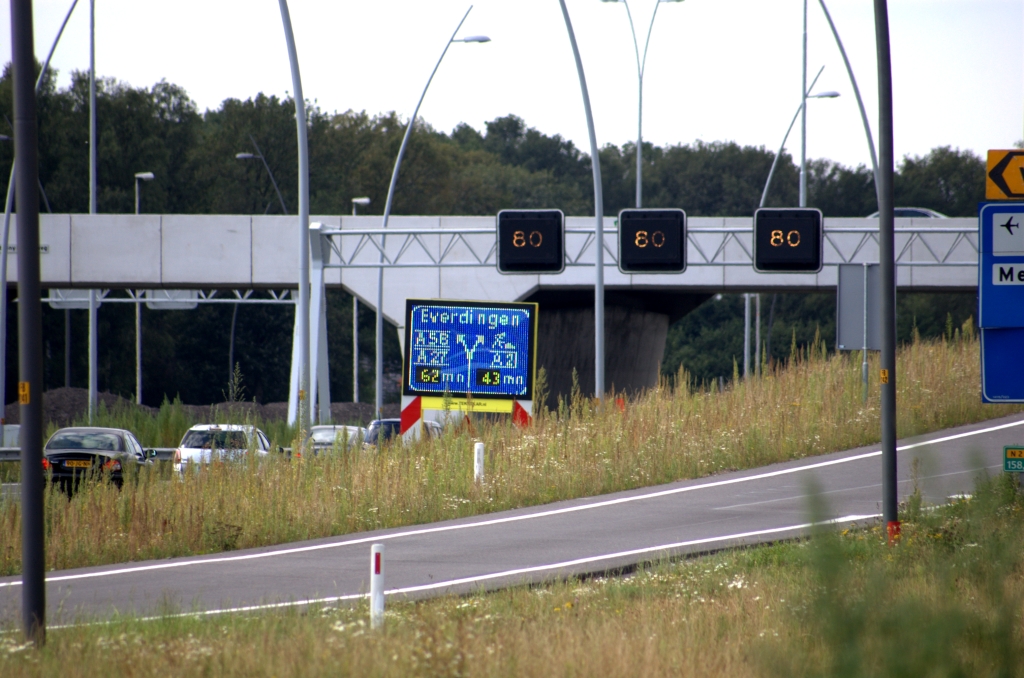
point(485, 350)
point(531, 241)
point(788, 240)
point(652, 241)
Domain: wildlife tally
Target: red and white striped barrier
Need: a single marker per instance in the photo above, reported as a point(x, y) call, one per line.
point(413, 408)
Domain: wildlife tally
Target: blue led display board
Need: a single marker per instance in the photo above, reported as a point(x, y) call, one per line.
point(469, 348)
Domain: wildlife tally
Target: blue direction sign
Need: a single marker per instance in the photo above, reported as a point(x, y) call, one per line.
point(462, 348)
point(1001, 301)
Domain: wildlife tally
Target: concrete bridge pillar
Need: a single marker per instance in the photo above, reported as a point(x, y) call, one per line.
point(636, 326)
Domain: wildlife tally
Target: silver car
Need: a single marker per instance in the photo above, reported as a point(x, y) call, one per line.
point(324, 438)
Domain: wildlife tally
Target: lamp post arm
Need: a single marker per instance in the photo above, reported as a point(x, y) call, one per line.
point(856, 93)
point(799, 109)
point(643, 65)
point(412, 122)
point(269, 173)
point(636, 47)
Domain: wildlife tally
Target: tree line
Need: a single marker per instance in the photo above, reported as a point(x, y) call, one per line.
point(507, 164)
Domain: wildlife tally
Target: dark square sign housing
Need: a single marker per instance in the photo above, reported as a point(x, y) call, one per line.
point(787, 240)
point(652, 241)
point(531, 241)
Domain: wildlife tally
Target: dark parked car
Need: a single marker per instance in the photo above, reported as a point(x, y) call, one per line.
point(72, 454)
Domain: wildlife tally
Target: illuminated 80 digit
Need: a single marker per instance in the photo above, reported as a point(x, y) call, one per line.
point(643, 239)
point(520, 239)
point(778, 239)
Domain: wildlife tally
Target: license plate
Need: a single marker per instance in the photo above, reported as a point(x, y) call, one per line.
point(78, 463)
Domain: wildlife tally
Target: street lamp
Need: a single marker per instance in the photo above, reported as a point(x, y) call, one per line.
point(139, 176)
point(259, 154)
point(640, 66)
point(799, 110)
point(360, 202)
point(379, 376)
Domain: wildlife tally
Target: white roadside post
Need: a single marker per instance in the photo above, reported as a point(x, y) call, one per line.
point(376, 586)
point(478, 462)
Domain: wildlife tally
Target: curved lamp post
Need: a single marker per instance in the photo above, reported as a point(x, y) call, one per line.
point(379, 366)
point(8, 207)
point(259, 154)
point(595, 164)
point(641, 64)
point(799, 110)
point(139, 176)
point(302, 305)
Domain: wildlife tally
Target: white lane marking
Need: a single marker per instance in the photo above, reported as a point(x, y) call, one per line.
point(509, 519)
point(524, 570)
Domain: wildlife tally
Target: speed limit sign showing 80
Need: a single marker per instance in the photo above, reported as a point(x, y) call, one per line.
point(652, 241)
point(531, 241)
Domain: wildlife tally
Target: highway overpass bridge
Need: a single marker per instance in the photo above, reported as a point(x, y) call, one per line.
point(454, 258)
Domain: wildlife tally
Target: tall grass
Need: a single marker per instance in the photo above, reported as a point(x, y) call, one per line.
point(945, 602)
point(811, 406)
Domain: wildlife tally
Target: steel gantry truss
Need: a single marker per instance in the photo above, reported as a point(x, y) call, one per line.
point(707, 246)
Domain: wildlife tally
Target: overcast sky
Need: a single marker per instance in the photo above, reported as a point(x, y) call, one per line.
point(716, 69)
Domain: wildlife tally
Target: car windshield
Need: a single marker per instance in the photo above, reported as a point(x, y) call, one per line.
point(222, 440)
point(329, 435)
point(85, 440)
point(390, 431)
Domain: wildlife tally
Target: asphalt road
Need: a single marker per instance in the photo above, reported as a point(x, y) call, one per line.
point(540, 543)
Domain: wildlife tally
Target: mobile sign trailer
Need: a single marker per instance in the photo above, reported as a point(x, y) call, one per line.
point(468, 356)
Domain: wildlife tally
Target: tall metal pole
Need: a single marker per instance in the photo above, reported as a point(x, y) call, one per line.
point(379, 363)
point(746, 336)
point(864, 345)
point(355, 349)
point(856, 93)
point(93, 354)
point(757, 335)
point(67, 348)
point(595, 163)
point(138, 347)
point(30, 326)
point(887, 269)
point(8, 207)
point(641, 65)
point(803, 119)
point(782, 146)
point(92, 106)
point(355, 336)
point(93, 339)
point(302, 307)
